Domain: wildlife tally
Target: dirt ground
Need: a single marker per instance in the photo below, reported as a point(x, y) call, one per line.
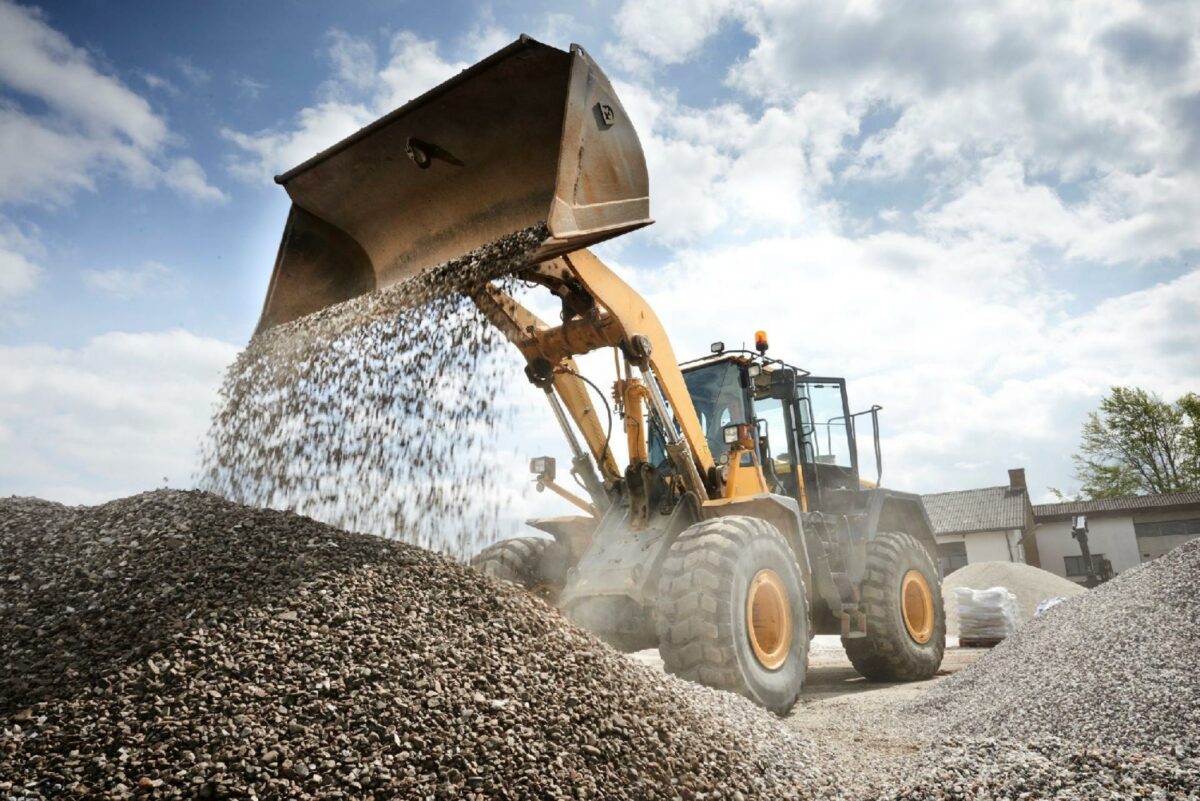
point(850, 715)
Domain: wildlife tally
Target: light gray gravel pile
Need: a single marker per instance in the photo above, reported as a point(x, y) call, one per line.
point(177, 645)
point(992, 769)
point(1117, 667)
point(376, 414)
point(1031, 585)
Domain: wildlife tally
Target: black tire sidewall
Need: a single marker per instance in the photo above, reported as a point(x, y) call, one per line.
point(913, 561)
point(888, 653)
point(775, 689)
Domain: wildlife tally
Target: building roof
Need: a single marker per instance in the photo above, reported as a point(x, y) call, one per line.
point(987, 509)
point(1125, 503)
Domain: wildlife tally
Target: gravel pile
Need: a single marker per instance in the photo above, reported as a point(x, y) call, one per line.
point(376, 414)
point(1117, 667)
point(989, 769)
point(1029, 584)
point(174, 644)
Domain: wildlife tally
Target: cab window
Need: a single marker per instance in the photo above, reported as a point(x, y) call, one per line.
point(719, 398)
point(824, 424)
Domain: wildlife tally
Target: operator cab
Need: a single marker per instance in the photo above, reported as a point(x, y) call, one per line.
point(802, 423)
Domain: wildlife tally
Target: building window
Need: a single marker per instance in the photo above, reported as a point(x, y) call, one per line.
point(1169, 528)
point(951, 556)
point(1077, 567)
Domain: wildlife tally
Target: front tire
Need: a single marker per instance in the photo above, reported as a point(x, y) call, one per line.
point(906, 621)
point(732, 612)
point(532, 563)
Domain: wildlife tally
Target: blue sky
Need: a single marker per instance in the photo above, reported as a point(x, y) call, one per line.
point(982, 215)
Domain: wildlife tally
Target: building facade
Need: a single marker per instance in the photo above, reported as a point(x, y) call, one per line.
point(991, 524)
point(1127, 531)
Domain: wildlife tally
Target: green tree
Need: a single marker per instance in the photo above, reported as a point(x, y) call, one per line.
point(1137, 443)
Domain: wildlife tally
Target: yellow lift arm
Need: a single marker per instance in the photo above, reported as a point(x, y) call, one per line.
point(600, 310)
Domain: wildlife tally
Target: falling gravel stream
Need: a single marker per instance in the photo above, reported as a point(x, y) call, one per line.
point(377, 414)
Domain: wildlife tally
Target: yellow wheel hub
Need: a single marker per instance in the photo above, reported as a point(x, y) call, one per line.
point(769, 619)
point(916, 601)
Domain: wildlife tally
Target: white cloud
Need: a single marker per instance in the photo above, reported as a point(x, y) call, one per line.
point(353, 61)
point(55, 163)
point(17, 273)
point(195, 75)
point(187, 178)
point(721, 166)
point(414, 67)
point(669, 31)
point(110, 418)
point(269, 152)
point(1001, 109)
point(92, 124)
point(129, 282)
point(487, 37)
point(250, 88)
point(1031, 78)
point(19, 255)
point(159, 83)
point(38, 61)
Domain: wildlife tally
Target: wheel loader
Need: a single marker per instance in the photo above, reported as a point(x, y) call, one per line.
point(738, 526)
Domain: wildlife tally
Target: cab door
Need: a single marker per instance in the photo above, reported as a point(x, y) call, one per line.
point(825, 431)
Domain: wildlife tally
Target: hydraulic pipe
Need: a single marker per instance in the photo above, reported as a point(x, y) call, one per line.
point(677, 446)
point(581, 463)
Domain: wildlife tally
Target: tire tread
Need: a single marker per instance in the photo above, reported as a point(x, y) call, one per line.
point(879, 656)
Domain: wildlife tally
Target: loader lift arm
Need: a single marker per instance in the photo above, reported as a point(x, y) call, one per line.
point(600, 310)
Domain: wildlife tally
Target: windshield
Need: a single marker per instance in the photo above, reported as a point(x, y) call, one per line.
point(719, 398)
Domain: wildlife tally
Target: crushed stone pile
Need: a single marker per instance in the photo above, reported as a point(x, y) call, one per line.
point(1031, 585)
point(1114, 668)
point(991, 769)
point(176, 645)
point(377, 414)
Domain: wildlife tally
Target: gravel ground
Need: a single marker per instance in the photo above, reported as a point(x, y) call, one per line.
point(176, 645)
point(1031, 585)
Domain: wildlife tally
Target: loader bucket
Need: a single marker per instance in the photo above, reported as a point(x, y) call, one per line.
point(530, 135)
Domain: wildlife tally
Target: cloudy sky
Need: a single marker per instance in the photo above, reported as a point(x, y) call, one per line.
point(982, 214)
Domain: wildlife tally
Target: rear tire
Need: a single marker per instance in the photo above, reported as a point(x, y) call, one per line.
point(732, 612)
point(893, 649)
point(532, 563)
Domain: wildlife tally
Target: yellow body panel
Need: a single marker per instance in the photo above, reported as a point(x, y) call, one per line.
point(745, 475)
point(633, 315)
point(519, 325)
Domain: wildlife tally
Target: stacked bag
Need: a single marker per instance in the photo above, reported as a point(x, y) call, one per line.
point(985, 614)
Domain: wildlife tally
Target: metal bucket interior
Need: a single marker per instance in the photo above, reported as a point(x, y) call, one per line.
point(530, 135)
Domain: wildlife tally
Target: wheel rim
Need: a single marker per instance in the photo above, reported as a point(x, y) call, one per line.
point(769, 619)
point(917, 605)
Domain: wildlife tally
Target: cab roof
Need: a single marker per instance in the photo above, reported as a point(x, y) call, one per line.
point(743, 357)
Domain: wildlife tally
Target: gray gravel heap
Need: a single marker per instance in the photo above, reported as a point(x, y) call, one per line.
point(991, 769)
point(174, 644)
point(1117, 667)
